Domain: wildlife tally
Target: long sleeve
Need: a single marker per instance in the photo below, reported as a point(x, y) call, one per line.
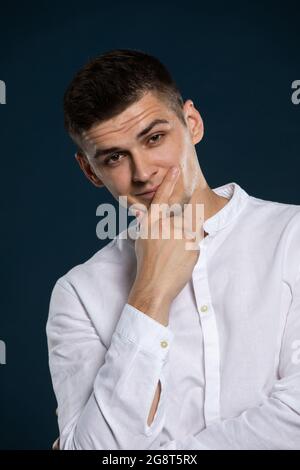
point(104, 395)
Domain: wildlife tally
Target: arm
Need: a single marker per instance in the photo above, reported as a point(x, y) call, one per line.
point(154, 404)
point(107, 398)
point(154, 306)
point(104, 395)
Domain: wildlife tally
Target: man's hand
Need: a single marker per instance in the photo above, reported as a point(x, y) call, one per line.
point(164, 264)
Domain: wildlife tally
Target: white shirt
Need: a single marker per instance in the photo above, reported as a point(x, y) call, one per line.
point(228, 362)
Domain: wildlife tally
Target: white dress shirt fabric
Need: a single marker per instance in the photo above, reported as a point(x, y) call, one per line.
point(228, 362)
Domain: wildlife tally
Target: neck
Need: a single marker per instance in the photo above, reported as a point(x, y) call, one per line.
point(212, 202)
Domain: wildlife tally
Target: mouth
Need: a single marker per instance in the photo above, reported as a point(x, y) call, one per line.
point(148, 194)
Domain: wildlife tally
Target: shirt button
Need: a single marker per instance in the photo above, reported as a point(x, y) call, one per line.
point(204, 308)
point(164, 344)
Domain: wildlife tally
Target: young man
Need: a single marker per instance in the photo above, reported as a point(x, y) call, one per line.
point(151, 345)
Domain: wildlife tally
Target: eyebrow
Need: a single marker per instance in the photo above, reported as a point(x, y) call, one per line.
point(104, 151)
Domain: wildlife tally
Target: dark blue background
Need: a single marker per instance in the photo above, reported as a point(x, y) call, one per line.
point(236, 61)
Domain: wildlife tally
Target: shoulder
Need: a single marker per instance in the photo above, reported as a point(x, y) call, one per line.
point(106, 265)
point(278, 224)
point(273, 215)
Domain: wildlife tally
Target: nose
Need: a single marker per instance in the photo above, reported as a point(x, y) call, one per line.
point(142, 171)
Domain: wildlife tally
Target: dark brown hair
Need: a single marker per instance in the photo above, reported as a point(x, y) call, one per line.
point(111, 82)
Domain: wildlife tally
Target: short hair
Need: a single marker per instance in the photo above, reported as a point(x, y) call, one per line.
point(111, 82)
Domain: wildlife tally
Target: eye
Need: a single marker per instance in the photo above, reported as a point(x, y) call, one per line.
point(155, 139)
point(113, 159)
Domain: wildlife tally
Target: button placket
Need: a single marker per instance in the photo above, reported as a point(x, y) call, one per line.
point(210, 340)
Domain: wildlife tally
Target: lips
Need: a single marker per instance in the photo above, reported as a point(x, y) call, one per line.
point(148, 195)
point(149, 191)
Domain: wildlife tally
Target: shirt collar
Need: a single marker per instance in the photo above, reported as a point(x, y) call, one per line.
point(238, 198)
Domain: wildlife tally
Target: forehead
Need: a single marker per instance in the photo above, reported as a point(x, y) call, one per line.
point(131, 120)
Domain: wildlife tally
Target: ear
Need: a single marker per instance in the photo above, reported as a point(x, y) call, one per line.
point(87, 169)
point(194, 121)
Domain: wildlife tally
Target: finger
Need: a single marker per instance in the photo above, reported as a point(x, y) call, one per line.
point(136, 209)
point(132, 204)
point(166, 188)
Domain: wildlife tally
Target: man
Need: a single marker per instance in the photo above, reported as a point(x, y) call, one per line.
point(152, 345)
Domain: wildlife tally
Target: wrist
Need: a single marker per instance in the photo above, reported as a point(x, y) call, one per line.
point(150, 301)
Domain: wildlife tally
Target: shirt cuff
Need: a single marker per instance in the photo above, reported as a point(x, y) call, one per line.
point(147, 333)
point(188, 443)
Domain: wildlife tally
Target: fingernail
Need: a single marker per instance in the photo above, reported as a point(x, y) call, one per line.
point(174, 171)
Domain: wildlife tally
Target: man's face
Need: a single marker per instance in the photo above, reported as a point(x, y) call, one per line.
point(131, 153)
